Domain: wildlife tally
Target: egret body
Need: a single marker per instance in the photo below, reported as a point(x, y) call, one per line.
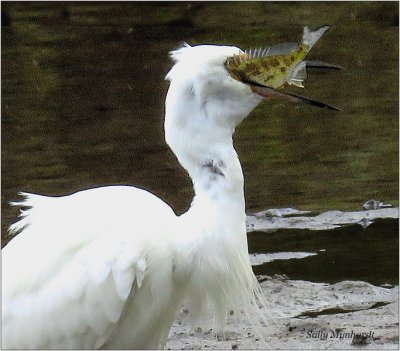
point(109, 267)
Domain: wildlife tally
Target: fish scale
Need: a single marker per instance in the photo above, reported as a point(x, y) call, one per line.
point(267, 66)
point(270, 70)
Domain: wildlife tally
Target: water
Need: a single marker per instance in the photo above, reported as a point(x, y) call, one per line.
point(347, 253)
point(83, 100)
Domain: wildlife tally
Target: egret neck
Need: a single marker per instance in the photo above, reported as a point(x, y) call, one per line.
point(199, 123)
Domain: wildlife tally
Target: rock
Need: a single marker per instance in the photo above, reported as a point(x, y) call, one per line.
point(323, 221)
point(375, 205)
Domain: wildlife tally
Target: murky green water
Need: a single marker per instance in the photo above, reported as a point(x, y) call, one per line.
point(347, 253)
point(83, 99)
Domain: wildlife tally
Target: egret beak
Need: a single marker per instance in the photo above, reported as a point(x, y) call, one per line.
point(270, 93)
point(323, 65)
point(267, 92)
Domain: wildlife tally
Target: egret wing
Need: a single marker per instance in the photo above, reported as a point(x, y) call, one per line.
point(68, 275)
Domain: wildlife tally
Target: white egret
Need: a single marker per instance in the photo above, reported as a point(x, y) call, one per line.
point(109, 267)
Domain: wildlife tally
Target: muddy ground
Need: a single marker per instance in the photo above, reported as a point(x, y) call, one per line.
point(308, 316)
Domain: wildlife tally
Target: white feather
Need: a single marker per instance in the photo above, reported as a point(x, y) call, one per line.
point(123, 280)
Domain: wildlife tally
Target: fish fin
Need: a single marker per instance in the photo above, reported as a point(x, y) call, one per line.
point(299, 75)
point(296, 83)
point(323, 65)
point(279, 49)
point(311, 37)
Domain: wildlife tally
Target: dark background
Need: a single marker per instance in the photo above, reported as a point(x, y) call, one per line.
point(83, 101)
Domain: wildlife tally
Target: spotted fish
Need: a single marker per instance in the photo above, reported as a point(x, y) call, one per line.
point(268, 71)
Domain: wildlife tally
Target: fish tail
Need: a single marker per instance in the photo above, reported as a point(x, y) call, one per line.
point(311, 37)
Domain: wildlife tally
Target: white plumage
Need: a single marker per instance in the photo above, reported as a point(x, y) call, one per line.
point(109, 267)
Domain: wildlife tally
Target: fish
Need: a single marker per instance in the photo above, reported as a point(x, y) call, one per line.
point(270, 70)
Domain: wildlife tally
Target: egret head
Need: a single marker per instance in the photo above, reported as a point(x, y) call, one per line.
point(204, 104)
point(201, 83)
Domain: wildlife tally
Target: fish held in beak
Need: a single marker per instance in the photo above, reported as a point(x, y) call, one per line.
point(269, 71)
